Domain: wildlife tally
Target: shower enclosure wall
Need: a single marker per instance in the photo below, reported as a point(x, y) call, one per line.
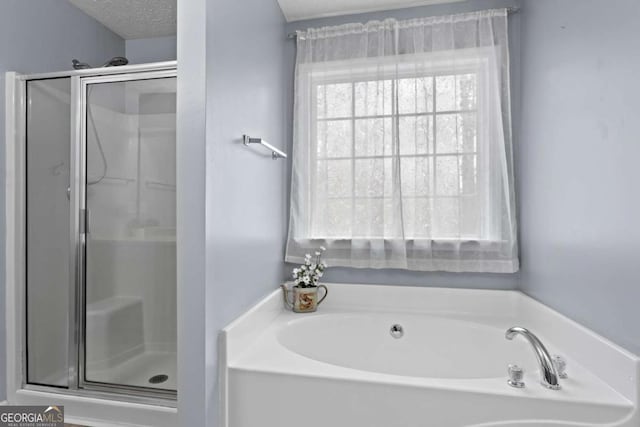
point(95, 228)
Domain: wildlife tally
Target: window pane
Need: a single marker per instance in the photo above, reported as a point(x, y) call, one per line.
point(407, 96)
point(370, 217)
point(416, 135)
point(446, 133)
point(392, 228)
point(339, 178)
point(373, 177)
point(456, 133)
point(417, 217)
point(409, 216)
point(334, 100)
point(466, 89)
point(334, 138)
point(373, 137)
point(445, 93)
point(446, 218)
point(417, 176)
point(321, 139)
point(469, 174)
point(415, 95)
point(373, 98)
point(423, 214)
point(467, 132)
point(338, 218)
point(424, 93)
point(447, 176)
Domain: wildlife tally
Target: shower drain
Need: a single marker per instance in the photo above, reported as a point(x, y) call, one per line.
point(158, 379)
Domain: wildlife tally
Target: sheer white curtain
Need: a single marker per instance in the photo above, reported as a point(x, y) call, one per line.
point(402, 145)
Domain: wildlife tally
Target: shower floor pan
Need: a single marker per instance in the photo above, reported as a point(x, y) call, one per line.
point(141, 370)
point(116, 351)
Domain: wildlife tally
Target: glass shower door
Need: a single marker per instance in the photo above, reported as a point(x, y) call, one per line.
point(129, 291)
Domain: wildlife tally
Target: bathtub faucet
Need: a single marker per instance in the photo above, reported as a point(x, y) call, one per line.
point(549, 376)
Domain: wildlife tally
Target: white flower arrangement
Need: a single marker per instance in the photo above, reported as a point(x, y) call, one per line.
point(308, 274)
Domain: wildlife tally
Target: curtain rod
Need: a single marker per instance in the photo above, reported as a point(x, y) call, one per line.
point(510, 10)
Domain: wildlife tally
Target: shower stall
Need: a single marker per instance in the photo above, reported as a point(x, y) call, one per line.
point(94, 165)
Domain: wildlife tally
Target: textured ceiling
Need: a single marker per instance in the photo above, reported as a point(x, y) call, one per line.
point(296, 10)
point(133, 19)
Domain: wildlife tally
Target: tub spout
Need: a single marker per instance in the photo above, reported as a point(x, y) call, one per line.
point(549, 376)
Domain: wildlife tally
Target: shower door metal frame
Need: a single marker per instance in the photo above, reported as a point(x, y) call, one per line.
point(82, 229)
point(18, 389)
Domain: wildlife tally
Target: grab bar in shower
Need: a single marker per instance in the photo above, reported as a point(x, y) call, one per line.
point(275, 153)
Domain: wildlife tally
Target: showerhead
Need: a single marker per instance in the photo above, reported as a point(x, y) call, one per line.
point(77, 65)
point(116, 61)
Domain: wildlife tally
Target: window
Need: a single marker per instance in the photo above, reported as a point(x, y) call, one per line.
point(353, 126)
point(402, 145)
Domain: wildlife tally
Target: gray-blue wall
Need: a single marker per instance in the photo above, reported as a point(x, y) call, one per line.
point(245, 187)
point(39, 37)
point(579, 163)
point(404, 277)
point(153, 49)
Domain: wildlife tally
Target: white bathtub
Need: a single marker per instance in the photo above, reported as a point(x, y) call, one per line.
point(341, 366)
point(431, 347)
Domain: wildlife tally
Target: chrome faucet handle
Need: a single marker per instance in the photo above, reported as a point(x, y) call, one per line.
point(560, 364)
point(516, 373)
point(548, 373)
